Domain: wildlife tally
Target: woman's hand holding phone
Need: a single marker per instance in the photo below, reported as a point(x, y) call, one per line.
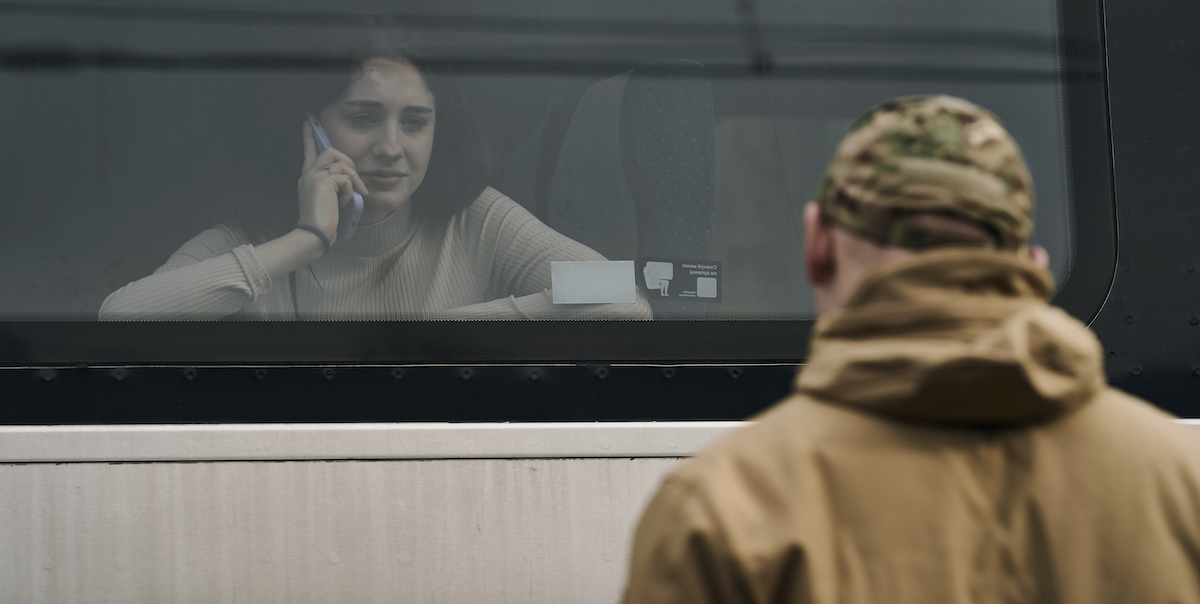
point(322, 191)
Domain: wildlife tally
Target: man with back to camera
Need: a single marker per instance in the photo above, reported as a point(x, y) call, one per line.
point(951, 438)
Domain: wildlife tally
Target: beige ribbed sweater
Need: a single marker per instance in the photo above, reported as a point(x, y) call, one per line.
point(490, 261)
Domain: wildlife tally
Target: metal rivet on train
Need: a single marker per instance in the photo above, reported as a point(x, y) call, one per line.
point(1136, 371)
point(1191, 267)
point(260, 374)
point(328, 372)
point(1128, 266)
point(1178, 46)
point(1188, 214)
point(601, 372)
point(669, 372)
point(1112, 353)
point(397, 373)
point(534, 375)
point(466, 373)
point(1129, 319)
point(189, 374)
point(1196, 370)
point(119, 374)
point(1194, 320)
point(735, 373)
point(48, 374)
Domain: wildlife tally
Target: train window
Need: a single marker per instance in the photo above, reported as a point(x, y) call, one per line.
point(537, 182)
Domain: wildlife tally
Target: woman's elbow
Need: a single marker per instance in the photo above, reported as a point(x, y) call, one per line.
point(111, 309)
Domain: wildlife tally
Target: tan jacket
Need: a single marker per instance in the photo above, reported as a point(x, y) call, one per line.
point(950, 440)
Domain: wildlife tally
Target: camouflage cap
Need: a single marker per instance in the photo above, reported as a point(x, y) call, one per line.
point(929, 155)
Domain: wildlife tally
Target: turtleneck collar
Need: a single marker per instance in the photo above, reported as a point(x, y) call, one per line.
point(394, 231)
point(956, 336)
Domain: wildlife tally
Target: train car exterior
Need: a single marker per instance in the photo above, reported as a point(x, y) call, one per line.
point(432, 460)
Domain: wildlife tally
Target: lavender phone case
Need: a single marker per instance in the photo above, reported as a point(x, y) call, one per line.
point(349, 214)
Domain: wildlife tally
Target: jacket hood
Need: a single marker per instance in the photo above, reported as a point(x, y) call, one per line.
point(956, 336)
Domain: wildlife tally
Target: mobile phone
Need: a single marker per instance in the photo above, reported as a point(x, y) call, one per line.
point(348, 214)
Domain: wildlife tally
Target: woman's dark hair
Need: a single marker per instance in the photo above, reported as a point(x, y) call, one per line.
point(458, 167)
point(458, 170)
point(263, 205)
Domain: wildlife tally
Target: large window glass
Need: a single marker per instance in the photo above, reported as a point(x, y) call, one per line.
point(641, 164)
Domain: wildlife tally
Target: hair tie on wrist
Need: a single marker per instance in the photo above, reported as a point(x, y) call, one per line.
point(315, 231)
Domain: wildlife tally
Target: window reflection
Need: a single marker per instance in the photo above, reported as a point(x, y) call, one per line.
point(395, 221)
point(142, 129)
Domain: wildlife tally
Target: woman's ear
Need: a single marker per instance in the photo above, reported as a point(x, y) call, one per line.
point(819, 258)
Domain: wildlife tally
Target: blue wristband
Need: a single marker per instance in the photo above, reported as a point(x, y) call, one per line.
point(315, 231)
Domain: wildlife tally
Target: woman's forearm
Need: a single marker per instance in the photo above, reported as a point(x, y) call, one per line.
point(215, 287)
point(212, 289)
point(285, 254)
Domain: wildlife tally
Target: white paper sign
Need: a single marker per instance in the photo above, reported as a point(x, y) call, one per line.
point(603, 282)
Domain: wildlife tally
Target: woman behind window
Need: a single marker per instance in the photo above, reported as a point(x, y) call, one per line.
point(433, 240)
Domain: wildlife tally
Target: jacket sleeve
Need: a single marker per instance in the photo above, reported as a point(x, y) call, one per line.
point(680, 554)
point(514, 250)
point(212, 276)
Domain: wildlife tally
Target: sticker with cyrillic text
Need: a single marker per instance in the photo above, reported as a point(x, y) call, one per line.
point(663, 278)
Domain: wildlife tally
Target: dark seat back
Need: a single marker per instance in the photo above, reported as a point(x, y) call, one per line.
point(635, 172)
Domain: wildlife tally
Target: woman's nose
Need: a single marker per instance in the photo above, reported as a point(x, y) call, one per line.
point(388, 145)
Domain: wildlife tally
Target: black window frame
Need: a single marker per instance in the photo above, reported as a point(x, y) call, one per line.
point(125, 372)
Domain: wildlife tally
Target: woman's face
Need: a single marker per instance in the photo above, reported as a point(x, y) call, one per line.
point(384, 122)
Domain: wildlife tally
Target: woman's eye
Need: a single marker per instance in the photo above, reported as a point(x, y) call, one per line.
point(362, 119)
point(413, 124)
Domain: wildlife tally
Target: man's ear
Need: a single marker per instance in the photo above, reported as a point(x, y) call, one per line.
point(819, 258)
point(1040, 256)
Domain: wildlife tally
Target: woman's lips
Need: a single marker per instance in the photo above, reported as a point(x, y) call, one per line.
point(384, 178)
